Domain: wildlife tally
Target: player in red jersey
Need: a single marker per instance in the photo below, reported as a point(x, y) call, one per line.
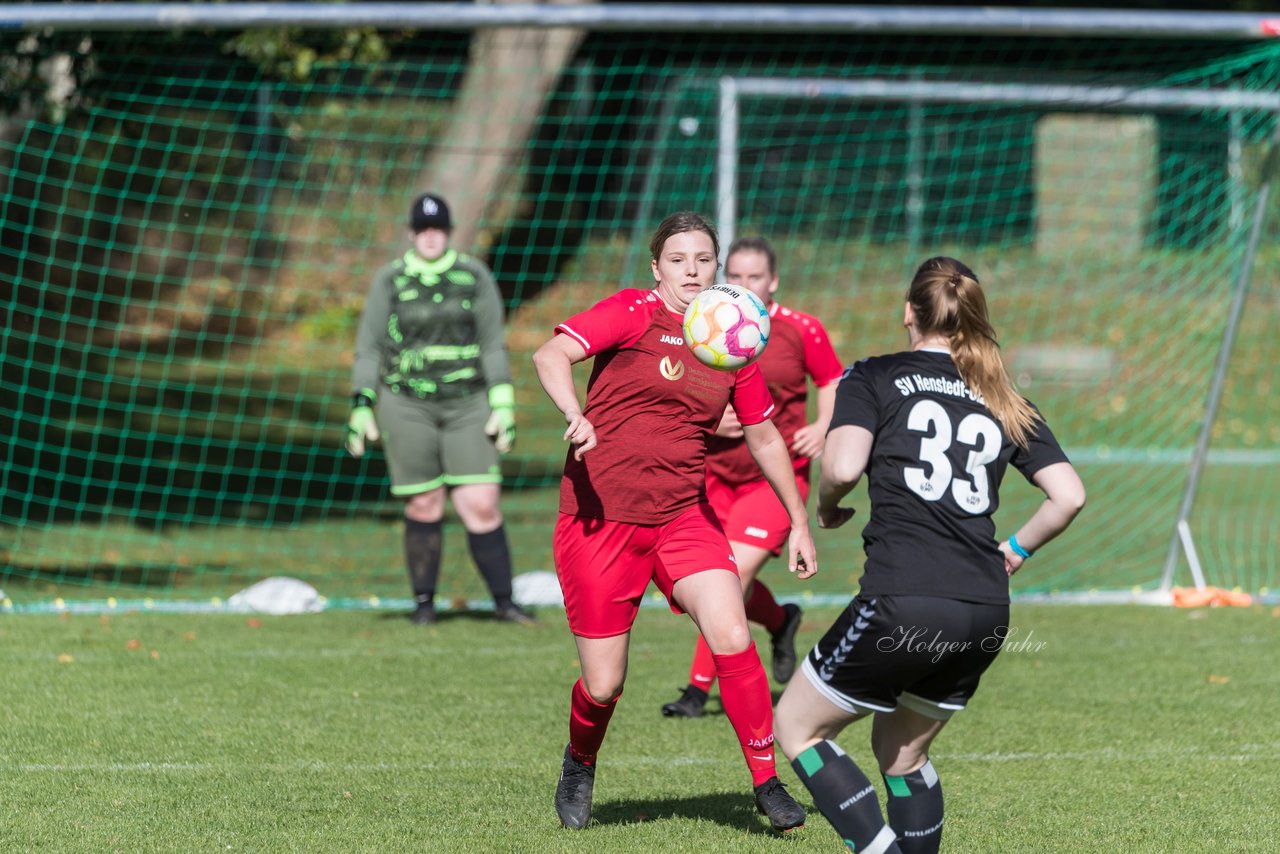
point(754, 520)
point(633, 506)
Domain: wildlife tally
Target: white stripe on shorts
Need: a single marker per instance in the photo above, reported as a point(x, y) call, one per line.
point(835, 698)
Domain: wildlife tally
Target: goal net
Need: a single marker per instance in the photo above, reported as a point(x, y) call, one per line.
point(188, 227)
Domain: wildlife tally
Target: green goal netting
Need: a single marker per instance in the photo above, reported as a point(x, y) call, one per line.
point(186, 235)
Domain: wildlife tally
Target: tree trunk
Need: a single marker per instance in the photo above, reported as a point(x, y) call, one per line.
point(510, 73)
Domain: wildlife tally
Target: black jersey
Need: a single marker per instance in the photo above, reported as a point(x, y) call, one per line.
point(933, 477)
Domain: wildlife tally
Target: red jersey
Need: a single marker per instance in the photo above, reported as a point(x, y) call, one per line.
point(799, 348)
point(653, 406)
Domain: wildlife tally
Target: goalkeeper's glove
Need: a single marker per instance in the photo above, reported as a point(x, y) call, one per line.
point(501, 426)
point(361, 425)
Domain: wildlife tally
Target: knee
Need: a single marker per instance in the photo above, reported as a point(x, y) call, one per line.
point(425, 506)
point(726, 637)
point(728, 640)
point(485, 518)
point(791, 742)
point(603, 690)
point(897, 759)
point(903, 766)
point(478, 509)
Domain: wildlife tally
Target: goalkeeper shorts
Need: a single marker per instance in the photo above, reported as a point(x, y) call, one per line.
point(434, 443)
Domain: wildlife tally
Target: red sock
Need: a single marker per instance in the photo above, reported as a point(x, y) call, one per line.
point(744, 692)
point(588, 721)
point(702, 673)
point(762, 608)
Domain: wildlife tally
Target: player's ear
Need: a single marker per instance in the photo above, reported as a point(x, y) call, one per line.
point(653, 265)
point(908, 315)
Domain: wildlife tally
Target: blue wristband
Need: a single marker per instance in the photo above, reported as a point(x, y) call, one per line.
point(1017, 549)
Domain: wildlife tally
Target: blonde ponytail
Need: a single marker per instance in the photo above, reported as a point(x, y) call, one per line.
point(948, 300)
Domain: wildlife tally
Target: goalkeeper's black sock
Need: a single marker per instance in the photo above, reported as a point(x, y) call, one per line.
point(915, 809)
point(843, 794)
point(493, 558)
point(423, 545)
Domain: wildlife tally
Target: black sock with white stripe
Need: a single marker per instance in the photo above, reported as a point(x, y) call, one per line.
point(915, 809)
point(843, 794)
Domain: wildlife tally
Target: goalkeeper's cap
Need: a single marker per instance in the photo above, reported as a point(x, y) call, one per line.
point(429, 211)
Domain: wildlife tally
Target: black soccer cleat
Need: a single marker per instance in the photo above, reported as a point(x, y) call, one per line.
point(784, 645)
point(424, 615)
point(573, 792)
point(690, 705)
point(773, 801)
point(513, 613)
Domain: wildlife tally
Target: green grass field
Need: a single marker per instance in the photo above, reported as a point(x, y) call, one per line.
point(1111, 729)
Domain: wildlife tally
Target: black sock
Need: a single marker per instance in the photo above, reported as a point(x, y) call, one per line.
point(843, 794)
point(915, 809)
point(493, 558)
point(423, 544)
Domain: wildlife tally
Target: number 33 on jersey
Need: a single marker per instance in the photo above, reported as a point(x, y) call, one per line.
point(934, 474)
point(935, 438)
point(980, 440)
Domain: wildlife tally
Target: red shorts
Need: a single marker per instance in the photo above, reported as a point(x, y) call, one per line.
point(605, 567)
point(751, 513)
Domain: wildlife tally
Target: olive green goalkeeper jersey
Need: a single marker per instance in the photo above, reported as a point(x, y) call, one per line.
point(432, 329)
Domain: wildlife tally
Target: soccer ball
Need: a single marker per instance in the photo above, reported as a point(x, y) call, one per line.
point(726, 327)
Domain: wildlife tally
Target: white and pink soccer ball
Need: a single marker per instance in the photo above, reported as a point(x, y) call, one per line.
point(726, 327)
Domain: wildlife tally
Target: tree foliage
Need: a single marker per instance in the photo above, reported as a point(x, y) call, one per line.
point(47, 72)
point(292, 53)
point(41, 72)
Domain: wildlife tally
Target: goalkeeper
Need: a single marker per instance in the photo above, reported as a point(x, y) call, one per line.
point(432, 381)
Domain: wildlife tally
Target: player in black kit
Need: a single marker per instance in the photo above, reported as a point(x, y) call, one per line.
point(934, 430)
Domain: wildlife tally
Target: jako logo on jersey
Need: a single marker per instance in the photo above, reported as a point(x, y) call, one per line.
point(669, 370)
point(673, 339)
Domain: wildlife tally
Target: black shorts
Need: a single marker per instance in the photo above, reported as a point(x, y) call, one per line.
point(924, 652)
